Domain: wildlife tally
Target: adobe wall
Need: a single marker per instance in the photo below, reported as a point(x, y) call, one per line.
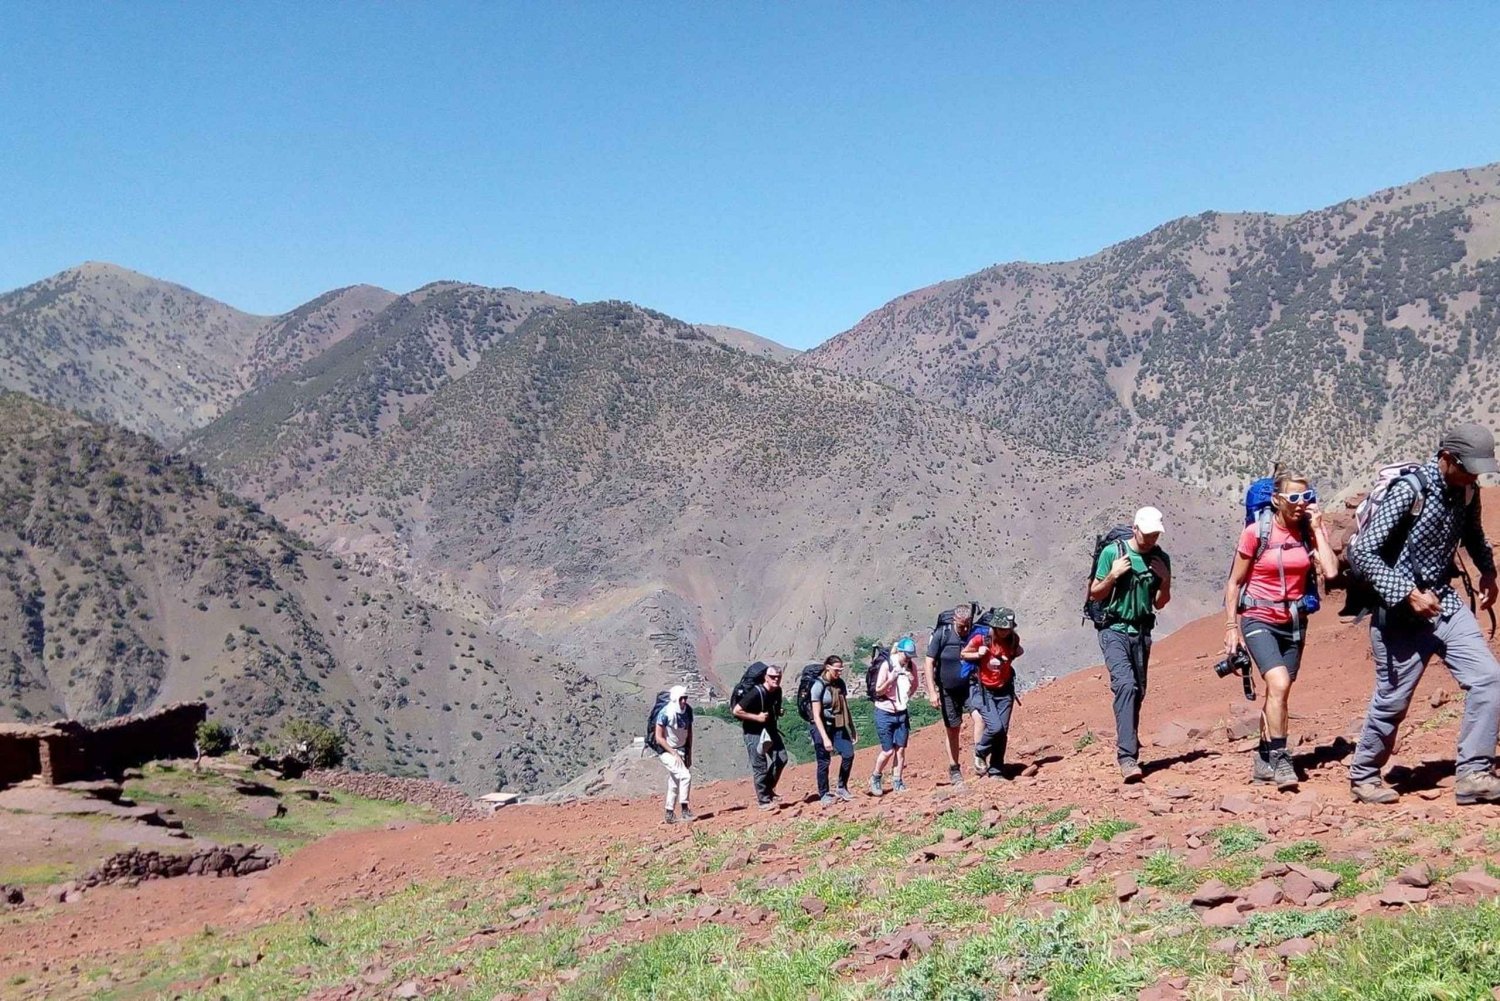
point(20, 757)
point(171, 732)
point(69, 751)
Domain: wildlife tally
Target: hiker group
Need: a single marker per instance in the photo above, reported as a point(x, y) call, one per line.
point(1397, 565)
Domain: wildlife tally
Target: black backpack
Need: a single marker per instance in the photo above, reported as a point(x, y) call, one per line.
point(1097, 611)
point(754, 675)
point(945, 617)
point(810, 674)
point(656, 708)
point(879, 657)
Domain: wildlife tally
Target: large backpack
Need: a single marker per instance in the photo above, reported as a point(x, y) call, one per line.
point(656, 708)
point(1094, 611)
point(945, 617)
point(810, 674)
point(879, 657)
point(754, 675)
point(1360, 596)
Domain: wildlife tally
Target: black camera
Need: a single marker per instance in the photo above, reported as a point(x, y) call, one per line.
point(1236, 663)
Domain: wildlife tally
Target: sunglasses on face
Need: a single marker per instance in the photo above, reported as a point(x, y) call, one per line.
point(773, 677)
point(1302, 497)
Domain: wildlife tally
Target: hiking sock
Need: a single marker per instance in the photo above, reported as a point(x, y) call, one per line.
point(1276, 744)
point(1263, 749)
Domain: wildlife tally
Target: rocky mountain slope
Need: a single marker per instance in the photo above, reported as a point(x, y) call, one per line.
point(618, 487)
point(121, 347)
point(128, 581)
point(1350, 332)
point(1055, 882)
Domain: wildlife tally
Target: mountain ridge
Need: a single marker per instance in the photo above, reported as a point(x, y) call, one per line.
point(1167, 347)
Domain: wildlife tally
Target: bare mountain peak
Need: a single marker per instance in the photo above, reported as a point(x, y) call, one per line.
point(1173, 349)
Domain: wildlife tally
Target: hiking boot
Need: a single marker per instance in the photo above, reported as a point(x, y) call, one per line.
point(898, 786)
point(1374, 791)
point(843, 793)
point(1477, 787)
point(875, 789)
point(687, 814)
point(1283, 771)
point(955, 775)
point(994, 773)
point(980, 765)
point(1261, 770)
point(826, 800)
point(1130, 770)
point(671, 817)
point(766, 804)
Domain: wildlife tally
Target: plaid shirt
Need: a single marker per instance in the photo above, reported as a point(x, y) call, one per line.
point(1427, 558)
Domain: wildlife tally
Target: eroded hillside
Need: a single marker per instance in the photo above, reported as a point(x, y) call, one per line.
point(127, 580)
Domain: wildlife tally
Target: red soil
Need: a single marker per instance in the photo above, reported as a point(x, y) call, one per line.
point(1193, 774)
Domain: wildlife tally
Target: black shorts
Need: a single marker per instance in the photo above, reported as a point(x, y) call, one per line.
point(1272, 646)
point(955, 702)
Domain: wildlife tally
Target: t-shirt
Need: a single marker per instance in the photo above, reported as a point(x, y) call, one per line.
point(944, 648)
point(677, 725)
point(759, 700)
point(1130, 601)
point(834, 704)
point(1284, 551)
point(996, 670)
point(893, 687)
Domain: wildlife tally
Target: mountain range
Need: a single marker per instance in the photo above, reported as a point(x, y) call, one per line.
point(1215, 344)
point(598, 499)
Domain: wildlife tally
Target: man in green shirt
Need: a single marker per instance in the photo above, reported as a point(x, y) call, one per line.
point(1134, 579)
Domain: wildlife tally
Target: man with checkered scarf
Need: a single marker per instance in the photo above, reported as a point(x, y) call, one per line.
point(1420, 614)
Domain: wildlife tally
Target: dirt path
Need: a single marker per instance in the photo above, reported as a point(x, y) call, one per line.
point(1192, 774)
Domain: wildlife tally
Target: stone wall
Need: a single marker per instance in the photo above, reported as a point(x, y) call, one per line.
point(69, 751)
point(136, 864)
point(131, 741)
point(439, 796)
point(20, 755)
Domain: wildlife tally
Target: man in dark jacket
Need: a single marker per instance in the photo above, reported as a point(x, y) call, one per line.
point(1420, 614)
point(758, 713)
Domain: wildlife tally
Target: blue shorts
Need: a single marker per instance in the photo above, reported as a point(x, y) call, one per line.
point(893, 729)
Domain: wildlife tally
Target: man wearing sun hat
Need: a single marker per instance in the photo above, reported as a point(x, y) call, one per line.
point(1134, 580)
point(1406, 554)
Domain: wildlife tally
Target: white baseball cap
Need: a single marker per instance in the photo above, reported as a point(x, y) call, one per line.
point(1148, 520)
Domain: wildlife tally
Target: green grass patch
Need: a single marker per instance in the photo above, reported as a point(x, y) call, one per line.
point(1299, 851)
point(1236, 873)
point(1236, 839)
point(1076, 953)
point(1446, 953)
point(321, 949)
point(845, 832)
point(208, 806)
point(1275, 927)
point(36, 874)
point(1166, 871)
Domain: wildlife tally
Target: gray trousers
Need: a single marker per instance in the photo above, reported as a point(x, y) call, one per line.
point(1402, 650)
point(993, 706)
point(765, 769)
point(1126, 657)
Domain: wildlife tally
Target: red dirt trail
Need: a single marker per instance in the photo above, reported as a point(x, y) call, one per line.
point(1194, 773)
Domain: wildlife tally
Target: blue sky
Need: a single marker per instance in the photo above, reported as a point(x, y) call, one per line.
point(780, 167)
